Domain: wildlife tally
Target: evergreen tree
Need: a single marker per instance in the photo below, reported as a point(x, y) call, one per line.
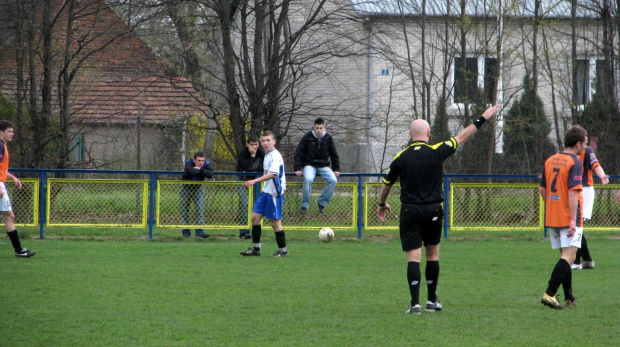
point(526, 134)
point(602, 120)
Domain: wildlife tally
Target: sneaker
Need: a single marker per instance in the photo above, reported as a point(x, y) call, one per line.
point(414, 309)
point(576, 266)
point(303, 210)
point(321, 208)
point(25, 253)
point(551, 301)
point(251, 252)
point(280, 254)
point(588, 264)
point(186, 233)
point(245, 236)
point(433, 306)
point(203, 236)
point(571, 303)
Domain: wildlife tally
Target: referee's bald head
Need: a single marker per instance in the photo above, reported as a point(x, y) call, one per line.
point(420, 130)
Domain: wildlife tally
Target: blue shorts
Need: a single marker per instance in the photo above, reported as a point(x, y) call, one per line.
point(269, 206)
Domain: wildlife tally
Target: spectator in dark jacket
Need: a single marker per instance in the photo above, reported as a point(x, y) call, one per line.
point(313, 156)
point(196, 169)
point(250, 159)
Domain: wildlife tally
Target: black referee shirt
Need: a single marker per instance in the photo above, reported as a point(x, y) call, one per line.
point(420, 168)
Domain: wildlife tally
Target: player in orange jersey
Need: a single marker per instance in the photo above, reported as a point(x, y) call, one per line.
point(6, 135)
point(560, 187)
point(590, 164)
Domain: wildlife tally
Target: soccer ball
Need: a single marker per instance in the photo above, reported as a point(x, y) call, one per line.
point(326, 234)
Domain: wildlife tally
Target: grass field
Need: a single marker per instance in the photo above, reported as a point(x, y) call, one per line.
point(115, 291)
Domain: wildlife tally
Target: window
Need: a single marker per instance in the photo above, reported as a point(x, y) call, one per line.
point(590, 73)
point(474, 75)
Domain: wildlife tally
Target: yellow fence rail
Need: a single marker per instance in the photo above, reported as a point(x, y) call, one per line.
point(170, 203)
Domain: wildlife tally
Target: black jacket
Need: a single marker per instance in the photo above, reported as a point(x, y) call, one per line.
point(245, 162)
point(192, 174)
point(311, 151)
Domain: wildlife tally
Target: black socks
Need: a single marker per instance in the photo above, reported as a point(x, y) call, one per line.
point(413, 278)
point(15, 240)
point(560, 271)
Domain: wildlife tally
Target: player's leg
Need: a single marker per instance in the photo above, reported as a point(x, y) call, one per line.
point(583, 259)
point(273, 212)
point(568, 249)
point(309, 175)
point(257, 215)
point(431, 236)
point(9, 224)
point(411, 242)
point(331, 180)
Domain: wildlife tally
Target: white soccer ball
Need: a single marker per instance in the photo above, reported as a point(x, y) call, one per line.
point(326, 234)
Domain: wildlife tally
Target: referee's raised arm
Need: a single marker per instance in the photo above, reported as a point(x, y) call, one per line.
point(466, 133)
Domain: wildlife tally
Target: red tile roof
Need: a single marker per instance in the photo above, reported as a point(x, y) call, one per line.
point(122, 78)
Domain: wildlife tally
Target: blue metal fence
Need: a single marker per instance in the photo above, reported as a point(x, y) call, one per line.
point(154, 176)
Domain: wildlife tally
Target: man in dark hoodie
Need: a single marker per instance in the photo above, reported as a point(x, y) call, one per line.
point(250, 159)
point(313, 156)
point(196, 169)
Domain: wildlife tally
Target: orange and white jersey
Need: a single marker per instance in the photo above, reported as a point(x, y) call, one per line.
point(562, 173)
point(4, 161)
point(590, 162)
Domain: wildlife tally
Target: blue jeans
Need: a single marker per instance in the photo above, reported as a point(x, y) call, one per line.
point(192, 194)
point(310, 173)
point(242, 212)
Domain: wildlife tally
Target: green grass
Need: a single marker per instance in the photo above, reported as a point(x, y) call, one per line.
point(114, 291)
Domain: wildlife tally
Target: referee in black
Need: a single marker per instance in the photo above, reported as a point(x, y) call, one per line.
point(420, 168)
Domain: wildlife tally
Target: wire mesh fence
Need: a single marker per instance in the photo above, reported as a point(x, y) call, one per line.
point(472, 203)
point(83, 202)
point(25, 201)
point(480, 206)
point(189, 204)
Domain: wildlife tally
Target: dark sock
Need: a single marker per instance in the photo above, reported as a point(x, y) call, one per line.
point(432, 276)
point(413, 277)
point(256, 233)
point(567, 285)
point(578, 255)
point(584, 251)
point(280, 239)
point(557, 276)
point(15, 240)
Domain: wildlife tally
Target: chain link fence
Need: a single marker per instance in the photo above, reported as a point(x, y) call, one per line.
point(473, 202)
point(25, 201)
point(96, 202)
point(482, 206)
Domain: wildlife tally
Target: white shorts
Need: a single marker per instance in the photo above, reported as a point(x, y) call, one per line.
point(560, 240)
point(5, 202)
point(588, 201)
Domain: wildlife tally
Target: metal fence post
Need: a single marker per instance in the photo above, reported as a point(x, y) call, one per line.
point(360, 205)
point(151, 218)
point(42, 199)
point(446, 206)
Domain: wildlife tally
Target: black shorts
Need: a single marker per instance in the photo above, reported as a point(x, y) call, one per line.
point(420, 223)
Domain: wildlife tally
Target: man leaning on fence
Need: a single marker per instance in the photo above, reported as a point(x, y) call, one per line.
point(250, 159)
point(196, 169)
point(420, 169)
point(6, 135)
point(560, 188)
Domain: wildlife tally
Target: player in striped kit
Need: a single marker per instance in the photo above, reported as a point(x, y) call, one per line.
point(590, 164)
